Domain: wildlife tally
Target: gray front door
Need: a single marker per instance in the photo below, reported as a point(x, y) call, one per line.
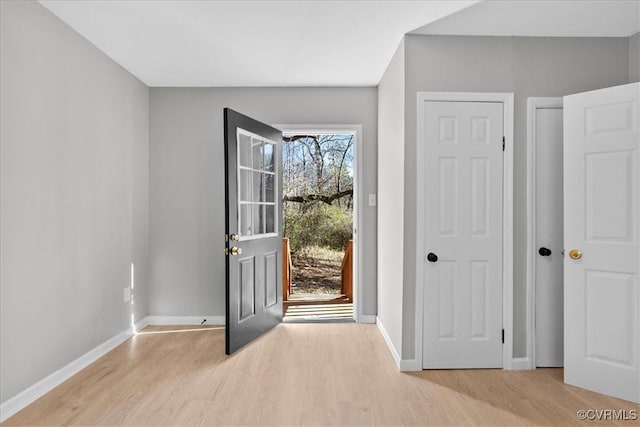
point(253, 229)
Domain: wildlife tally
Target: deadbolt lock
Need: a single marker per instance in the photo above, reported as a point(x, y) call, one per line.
point(234, 237)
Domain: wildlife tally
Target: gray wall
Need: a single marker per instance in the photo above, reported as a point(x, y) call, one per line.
point(186, 161)
point(391, 196)
point(524, 66)
point(634, 58)
point(73, 140)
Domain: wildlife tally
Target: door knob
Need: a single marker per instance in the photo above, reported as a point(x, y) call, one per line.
point(236, 250)
point(544, 251)
point(575, 254)
point(431, 257)
point(234, 237)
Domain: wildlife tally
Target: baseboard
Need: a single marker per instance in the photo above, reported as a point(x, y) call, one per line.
point(368, 318)
point(410, 365)
point(387, 340)
point(143, 323)
point(45, 385)
point(520, 364)
point(31, 394)
point(185, 320)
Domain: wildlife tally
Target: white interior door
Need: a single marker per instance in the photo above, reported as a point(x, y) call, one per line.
point(601, 192)
point(548, 262)
point(463, 234)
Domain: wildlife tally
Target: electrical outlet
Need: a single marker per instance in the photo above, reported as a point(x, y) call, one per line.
point(127, 294)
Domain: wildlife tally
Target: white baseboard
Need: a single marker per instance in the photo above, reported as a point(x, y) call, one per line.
point(392, 349)
point(185, 320)
point(45, 385)
point(410, 365)
point(520, 364)
point(368, 318)
point(140, 325)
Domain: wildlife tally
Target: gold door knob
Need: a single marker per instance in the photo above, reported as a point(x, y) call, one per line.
point(575, 254)
point(234, 237)
point(236, 250)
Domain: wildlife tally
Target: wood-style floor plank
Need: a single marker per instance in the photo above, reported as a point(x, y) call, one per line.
point(299, 374)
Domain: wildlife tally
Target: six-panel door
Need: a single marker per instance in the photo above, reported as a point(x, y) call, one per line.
point(601, 219)
point(463, 230)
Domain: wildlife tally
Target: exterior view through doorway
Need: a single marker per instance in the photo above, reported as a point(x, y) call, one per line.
point(319, 223)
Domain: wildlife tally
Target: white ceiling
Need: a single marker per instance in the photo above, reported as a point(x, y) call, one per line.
point(250, 43)
point(309, 43)
point(552, 18)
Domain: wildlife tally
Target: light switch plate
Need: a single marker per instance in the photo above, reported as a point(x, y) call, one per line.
point(372, 200)
point(127, 294)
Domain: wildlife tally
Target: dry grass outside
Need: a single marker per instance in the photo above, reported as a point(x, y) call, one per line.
point(316, 270)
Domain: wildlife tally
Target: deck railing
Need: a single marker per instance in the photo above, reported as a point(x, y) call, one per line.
point(347, 271)
point(286, 269)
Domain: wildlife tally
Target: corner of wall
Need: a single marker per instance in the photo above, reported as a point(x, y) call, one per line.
point(391, 200)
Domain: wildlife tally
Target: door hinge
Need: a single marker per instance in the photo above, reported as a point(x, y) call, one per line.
point(503, 336)
point(503, 143)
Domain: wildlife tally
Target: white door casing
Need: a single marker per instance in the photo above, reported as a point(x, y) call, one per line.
point(545, 232)
point(463, 167)
point(601, 192)
point(358, 205)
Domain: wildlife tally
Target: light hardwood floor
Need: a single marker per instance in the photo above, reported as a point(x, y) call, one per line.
point(299, 374)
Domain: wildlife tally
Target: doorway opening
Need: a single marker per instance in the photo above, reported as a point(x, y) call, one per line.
point(318, 222)
point(545, 260)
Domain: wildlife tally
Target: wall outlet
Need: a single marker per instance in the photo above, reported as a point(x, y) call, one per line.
point(127, 294)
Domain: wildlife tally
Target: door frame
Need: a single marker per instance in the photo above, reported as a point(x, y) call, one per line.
point(356, 130)
point(533, 104)
point(507, 100)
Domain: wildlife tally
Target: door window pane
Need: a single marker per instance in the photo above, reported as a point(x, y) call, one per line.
point(245, 185)
point(258, 187)
point(268, 157)
point(258, 219)
point(245, 220)
point(270, 219)
point(268, 188)
point(257, 154)
point(244, 150)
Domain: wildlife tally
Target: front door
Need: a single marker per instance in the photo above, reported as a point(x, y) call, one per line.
point(601, 216)
point(253, 229)
point(463, 234)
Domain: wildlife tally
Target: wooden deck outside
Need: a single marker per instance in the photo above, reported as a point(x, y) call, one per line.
point(317, 307)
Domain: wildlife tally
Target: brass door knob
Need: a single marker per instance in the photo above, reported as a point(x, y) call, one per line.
point(234, 237)
point(236, 250)
point(575, 254)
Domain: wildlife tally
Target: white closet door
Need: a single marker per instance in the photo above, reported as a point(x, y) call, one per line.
point(463, 230)
point(601, 216)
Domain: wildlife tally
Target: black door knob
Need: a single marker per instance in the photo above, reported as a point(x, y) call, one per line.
point(432, 257)
point(544, 251)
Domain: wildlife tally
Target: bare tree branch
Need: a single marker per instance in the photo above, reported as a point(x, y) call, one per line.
point(287, 138)
point(318, 197)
